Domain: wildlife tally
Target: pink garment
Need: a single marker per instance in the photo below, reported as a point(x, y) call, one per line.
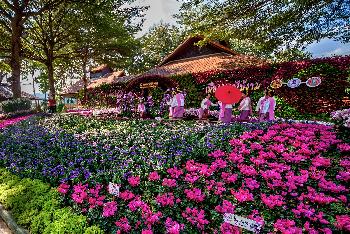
point(271, 108)
point(178, 112)
point(222, 110)
point(141, 107)
point(208, 103)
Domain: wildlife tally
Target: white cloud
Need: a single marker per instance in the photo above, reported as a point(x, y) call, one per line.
point(159, 11)
point(328, 48)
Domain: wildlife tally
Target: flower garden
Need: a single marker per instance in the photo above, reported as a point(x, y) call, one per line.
point(175, 177)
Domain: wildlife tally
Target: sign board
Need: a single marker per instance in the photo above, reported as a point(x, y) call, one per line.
point(239, 84)
point(294, 83)
point(276, 84)
point(113, 189)
point(242, 222)
point(149, 85)
point(313, 82)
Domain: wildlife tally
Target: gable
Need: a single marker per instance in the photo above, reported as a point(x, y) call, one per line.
point(188, 49)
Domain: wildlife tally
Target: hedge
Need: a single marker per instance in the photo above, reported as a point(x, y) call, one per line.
point(37, 207)
point(325, 98)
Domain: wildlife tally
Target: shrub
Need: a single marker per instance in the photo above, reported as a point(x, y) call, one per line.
point(16, 105)
point(36, 207)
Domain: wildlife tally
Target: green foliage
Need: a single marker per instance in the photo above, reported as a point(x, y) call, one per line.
point(16, 105)
point(155, 45)
point(195, 93)
point(266, 26)
point(37, 207)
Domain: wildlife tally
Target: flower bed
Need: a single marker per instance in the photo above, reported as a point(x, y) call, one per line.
point(8, 122)
point(183, 176)
point(98, 150)
point(291, 178)
point(37, 207)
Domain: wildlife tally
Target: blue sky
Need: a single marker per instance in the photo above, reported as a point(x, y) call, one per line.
point(162, 10)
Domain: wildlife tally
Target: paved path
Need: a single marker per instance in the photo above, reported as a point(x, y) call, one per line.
point(3, 228)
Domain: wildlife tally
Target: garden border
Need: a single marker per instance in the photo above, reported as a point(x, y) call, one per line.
point(10, 221)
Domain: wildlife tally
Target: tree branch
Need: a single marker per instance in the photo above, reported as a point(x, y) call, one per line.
point(6, 26)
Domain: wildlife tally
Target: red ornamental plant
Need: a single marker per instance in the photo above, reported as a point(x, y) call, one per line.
point(292, 178)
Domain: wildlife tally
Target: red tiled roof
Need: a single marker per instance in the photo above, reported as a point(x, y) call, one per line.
point(220, 61)
point(108, 79)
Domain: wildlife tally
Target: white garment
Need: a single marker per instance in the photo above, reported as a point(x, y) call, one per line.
point(245, 104)
point(228, 106)
point(259, 104)
point(204, 106)
point(266, 106)
point(175, 104)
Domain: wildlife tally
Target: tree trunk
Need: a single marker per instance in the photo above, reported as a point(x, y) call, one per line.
point(85, 79)
point(51, 79)
point(15, 61)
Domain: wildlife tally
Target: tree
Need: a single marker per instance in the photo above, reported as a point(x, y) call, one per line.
point(13, 17)
point(106, 30)
point(268, 25)
point(155, 45)
point(89, 31)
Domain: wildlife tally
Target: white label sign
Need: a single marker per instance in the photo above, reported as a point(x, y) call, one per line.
point(113, 189)
point(294, 83)
point(242, 222)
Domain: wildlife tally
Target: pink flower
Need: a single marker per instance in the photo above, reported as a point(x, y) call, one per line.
point(344, 147)
point(344, 176)
point(235, 158)
point(166, 199)
point(345, 163)
point(191, 178)
point(194, 194)
point(287, 226)
point(134, 181)
point(195, 217)
point(272, 200)
point(251, 183)
point(175, 172)
point(256, 217)
point(227, 228)
point(146, 232)
point(79, 194)
point(331, 186)
point(126, 195)
point(218, 164)
point(228, 177)
point(247, 170)
point(321, 162)
point(343, 222)
point(217, 154)
point(109, 209)
point(173, 227)
point(63, 188)
point(169, 183)
point(227, 207)
point(242, 195)
point(123, 224)
point(153, 176)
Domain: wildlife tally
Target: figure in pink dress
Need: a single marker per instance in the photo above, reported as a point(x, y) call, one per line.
point(178, 104)
point(266, 107)
point(225, 114)
point(205, 105)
